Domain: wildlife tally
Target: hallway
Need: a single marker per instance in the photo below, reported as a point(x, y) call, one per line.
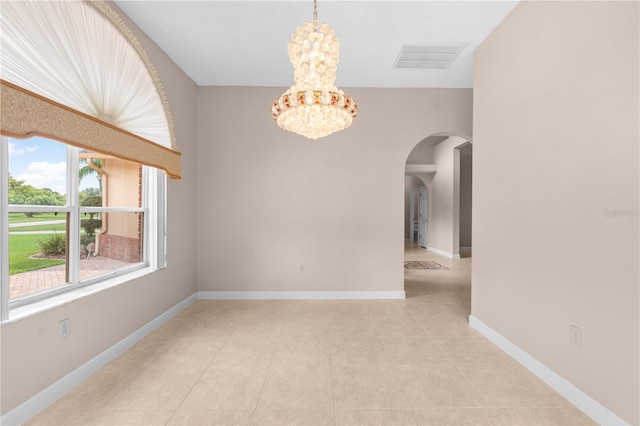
point(338, 362)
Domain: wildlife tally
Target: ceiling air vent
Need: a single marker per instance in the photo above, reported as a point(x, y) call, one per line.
point(427, 55)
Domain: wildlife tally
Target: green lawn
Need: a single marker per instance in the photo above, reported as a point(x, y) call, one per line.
point(23, 246)
point(21, 217)
point(57, 227)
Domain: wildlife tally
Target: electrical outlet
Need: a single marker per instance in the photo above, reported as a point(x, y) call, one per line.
point(575, 335)
point(302, 268)
point(64, 327)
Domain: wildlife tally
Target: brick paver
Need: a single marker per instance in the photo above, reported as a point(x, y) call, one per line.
point(42, 279)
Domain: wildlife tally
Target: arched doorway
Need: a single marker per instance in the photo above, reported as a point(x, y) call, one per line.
point(437, 275)
point(439, 168)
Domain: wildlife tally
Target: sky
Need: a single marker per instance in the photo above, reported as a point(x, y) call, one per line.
point(41, 163)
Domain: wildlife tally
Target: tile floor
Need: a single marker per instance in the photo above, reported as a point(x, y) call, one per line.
point(379, 362)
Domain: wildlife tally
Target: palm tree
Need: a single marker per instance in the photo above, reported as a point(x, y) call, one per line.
point(87, 170)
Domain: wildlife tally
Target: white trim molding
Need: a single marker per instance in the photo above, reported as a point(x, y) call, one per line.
point(52, 393)
point(299, 295)
point(584, 402)
point(444, 253)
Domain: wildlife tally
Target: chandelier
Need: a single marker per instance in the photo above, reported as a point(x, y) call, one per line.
point(313, 106)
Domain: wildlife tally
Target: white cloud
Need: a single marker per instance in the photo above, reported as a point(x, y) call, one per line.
point(19, 152)
point(42, 174)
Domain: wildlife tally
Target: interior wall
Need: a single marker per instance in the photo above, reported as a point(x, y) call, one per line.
point(556, 191)
point(422, 153)
point(335, 205)
point(466, 184)
point(410, 182)
point(443, 198)
point(33, 356)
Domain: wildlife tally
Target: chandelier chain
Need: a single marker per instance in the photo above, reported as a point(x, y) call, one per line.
point(315, 10)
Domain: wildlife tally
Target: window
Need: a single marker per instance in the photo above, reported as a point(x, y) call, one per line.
point(92, 86)
point(73, 218)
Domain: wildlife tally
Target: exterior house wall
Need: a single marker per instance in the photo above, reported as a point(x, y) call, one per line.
point(121, 234)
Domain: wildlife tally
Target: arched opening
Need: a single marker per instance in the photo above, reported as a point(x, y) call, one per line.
point(438, 179)
point(439, 169)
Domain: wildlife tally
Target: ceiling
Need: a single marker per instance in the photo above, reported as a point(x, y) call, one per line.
point(244, 43)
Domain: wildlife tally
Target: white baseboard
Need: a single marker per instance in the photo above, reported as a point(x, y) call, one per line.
point(444, 253)
point(584, 402)
point(52, 393)
point(299, 295)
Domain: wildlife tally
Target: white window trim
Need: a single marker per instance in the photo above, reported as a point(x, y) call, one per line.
point(4, 230)
point(154, 243)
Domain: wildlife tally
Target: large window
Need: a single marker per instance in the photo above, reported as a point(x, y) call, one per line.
point(72, 218)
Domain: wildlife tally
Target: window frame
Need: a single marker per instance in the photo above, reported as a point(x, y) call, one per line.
point(154, 237)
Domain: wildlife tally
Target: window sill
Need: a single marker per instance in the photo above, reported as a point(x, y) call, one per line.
point(21, 312)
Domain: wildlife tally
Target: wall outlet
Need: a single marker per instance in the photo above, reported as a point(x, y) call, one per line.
point(302, 268)
point(64, 327)
point(575, 335)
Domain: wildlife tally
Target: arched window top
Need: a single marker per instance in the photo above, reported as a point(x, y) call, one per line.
point(82, 55)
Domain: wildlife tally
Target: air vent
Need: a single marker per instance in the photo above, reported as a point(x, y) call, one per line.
point(427, 55)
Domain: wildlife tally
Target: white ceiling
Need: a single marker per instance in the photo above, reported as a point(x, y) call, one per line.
point(244, 43)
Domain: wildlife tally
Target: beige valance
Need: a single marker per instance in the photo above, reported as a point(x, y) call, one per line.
point(24, 114)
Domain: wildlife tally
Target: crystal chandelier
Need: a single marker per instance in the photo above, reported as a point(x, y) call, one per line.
point(313, 106)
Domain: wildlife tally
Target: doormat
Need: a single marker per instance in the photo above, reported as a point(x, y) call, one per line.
point(429, 264)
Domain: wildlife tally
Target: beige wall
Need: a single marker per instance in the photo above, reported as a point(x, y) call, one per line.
point(33, 356)
point(466, 164)
point(422, 153)
point(335, 205)
point(556, 152)
point(444, 197)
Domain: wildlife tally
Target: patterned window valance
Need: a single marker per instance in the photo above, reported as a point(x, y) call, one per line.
point(25, 114)
point(73, 71)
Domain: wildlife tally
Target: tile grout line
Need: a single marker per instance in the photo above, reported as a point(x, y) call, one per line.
point(199, 377)
point(404, 389)
point(333, 378)
point(453, 362)
point(266, 376)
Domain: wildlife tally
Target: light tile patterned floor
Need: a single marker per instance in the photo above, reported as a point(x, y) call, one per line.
point(393, 362)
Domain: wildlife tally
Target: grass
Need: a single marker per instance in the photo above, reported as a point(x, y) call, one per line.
point(23, 246)
point(21, 217)
point(57, 227)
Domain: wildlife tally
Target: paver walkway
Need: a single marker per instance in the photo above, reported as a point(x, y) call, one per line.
point(54, 276)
